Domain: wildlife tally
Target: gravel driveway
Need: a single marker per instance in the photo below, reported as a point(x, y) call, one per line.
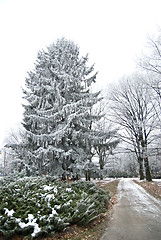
point(137, 215)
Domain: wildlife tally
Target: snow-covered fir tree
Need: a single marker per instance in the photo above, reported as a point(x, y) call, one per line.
point(58, 117)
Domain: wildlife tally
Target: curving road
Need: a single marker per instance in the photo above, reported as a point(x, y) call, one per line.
point(137, 215)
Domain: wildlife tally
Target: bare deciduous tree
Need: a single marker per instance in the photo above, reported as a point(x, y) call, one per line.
point(151, 63)
point(108, 139)
point(132, 110)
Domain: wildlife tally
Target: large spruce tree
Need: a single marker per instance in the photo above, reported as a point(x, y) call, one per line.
point(58, 116)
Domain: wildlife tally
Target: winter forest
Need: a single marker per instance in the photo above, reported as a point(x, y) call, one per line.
point(70, 130)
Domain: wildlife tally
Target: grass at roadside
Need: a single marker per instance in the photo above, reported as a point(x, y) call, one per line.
point(154, 188)
point(109, 186)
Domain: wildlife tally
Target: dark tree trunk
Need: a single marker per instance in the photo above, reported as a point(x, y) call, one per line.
point(147, 170)
point(145, 156)
point(141, 169)
point(101, 159)
point(101, 166)
point(101, 162)
point(87, 174)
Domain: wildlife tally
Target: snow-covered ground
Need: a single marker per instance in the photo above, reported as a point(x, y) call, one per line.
point(104, 181)
point(157, 180)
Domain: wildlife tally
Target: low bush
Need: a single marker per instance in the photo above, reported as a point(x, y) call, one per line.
point(34, 207)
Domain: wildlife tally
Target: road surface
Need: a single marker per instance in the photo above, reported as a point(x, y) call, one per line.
point(137, 215)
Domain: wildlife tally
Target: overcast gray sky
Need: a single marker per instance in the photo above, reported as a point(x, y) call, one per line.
point(113, 32)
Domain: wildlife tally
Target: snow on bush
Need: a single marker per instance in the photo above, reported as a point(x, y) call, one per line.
point(38, 206)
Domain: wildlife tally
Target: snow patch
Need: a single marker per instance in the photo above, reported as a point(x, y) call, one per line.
point(53, 213)
point(47, 188)
point(9, 212)
point(69, 190)
point(57, 206)
point(31, 222)
point(49, 197)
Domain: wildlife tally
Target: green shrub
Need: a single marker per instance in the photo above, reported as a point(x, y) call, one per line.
point(36, 206)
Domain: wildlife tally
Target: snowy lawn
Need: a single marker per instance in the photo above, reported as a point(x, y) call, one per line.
point(154, 187)
point(104, 181)
point(39, 206)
